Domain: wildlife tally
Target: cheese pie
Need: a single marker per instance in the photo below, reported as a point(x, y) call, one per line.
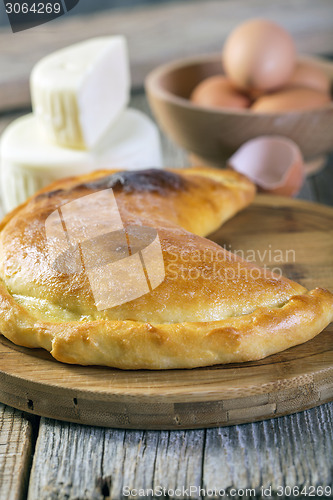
point(207, 306)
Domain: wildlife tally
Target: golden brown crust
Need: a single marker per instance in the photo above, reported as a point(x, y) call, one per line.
point(135, 345)
point(230, 311)
point(198, 204)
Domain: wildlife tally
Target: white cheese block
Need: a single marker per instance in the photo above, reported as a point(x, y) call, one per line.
point(29, 161)
point(79, 91)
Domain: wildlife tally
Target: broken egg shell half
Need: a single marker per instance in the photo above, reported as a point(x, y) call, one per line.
point(275, 164)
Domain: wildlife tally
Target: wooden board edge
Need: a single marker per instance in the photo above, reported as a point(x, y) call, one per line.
point(159, 414)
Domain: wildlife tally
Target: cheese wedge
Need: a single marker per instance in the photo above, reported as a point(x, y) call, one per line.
point(30, 161)
point(79, 91)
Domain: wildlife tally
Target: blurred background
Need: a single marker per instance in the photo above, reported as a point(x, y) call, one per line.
point(157, 31)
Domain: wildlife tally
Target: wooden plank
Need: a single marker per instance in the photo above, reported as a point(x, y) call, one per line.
point(74, 461)
point(105, 461)
point(292, 451)
point(159, 33)
point(16, 443)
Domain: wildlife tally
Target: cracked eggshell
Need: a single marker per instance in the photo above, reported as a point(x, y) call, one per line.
point(273, 163)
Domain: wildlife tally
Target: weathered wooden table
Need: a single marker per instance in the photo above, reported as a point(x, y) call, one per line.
point(43, 459)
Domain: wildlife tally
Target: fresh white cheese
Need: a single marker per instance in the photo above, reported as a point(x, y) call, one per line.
point(30, 161)
point(79, 91)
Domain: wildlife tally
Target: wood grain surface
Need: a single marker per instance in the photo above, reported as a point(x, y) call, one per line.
point(74, 461)
point(289, 236)
point(15, 453)
point(158, 34)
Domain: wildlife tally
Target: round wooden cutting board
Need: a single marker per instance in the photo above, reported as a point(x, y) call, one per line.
point(291, 236)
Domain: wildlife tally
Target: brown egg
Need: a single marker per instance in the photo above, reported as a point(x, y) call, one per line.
point(260, 55)
point(291, 99)
point(309, 75)
point(273, 163)
point(218, 92)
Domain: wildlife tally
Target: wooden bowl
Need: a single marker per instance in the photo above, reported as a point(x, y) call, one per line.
point(213, 135)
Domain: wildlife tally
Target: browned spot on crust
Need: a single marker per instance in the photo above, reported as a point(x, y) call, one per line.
point(150, 181)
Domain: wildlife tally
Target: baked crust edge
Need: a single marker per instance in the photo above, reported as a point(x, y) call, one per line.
point(134, 345)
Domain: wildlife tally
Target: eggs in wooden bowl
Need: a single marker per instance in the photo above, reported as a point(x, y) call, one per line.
point(211, 115)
